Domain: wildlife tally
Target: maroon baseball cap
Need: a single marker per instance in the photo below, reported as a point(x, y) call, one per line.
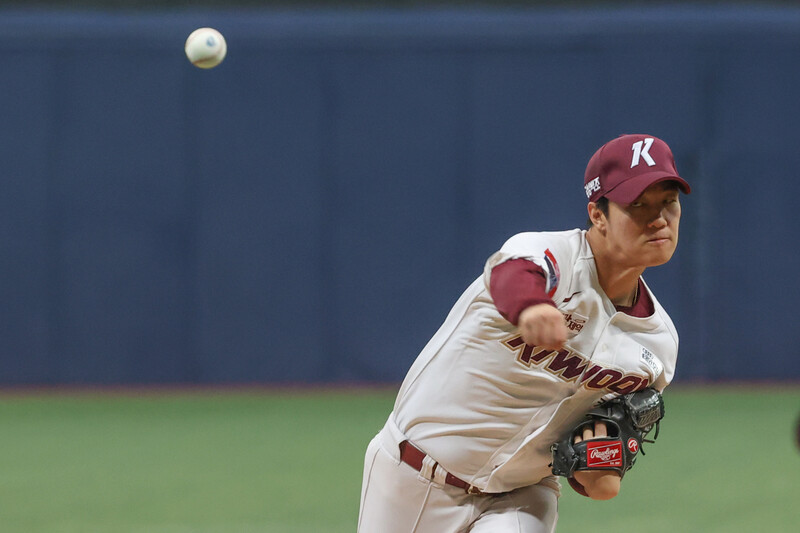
point(623, 168)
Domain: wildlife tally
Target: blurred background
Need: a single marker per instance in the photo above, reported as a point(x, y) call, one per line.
point(308, 211)
point(212, 281)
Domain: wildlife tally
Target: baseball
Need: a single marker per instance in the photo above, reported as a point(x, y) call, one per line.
point(205, 47)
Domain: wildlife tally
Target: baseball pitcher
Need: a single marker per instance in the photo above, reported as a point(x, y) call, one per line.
point(551, 364)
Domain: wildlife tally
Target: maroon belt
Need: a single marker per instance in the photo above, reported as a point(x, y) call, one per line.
point(413, 457)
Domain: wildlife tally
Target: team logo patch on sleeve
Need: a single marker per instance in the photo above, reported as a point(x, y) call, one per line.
point(604, 453)
point(553, 272)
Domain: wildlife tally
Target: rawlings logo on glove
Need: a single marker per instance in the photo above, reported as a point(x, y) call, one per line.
point(603, 453)
point(629, 419)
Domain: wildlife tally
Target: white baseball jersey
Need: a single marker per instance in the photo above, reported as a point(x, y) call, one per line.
point(487, 407)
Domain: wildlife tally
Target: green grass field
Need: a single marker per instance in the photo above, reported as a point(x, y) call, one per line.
point(290, 462)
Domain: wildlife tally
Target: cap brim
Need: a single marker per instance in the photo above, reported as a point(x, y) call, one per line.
point(628, 191)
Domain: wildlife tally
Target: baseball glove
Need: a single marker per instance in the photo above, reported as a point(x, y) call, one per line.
point(629, 419)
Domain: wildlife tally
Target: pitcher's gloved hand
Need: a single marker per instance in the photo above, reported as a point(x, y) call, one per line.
point(628, 420)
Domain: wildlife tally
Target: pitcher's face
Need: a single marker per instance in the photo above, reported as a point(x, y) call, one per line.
point(644, 233)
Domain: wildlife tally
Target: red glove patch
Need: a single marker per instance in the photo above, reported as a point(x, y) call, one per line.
point(603, 453)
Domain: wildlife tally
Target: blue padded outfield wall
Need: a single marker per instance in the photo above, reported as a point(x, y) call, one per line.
point(309, 211)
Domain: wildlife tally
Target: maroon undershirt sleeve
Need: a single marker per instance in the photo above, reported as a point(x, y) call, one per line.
point(517, 284)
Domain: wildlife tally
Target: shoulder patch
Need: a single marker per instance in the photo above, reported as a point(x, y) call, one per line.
point(553, 272)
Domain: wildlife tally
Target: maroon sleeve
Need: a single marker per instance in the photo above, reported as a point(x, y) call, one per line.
point(517, 284)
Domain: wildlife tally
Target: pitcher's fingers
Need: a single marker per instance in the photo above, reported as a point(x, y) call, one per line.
point(600, 429)
point(587, 433)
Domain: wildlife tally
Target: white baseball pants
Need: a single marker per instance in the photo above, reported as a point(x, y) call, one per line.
point(395, 498)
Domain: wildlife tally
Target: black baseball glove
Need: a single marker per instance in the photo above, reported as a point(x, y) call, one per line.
point(629, 419)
